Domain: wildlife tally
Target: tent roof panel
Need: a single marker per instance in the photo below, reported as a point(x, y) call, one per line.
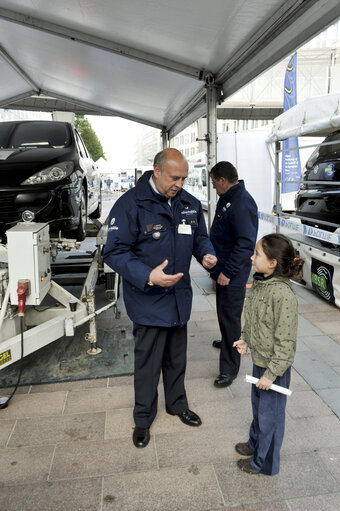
point(145, 59)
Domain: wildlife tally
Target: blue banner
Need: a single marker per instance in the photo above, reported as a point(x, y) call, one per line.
point(291, 166)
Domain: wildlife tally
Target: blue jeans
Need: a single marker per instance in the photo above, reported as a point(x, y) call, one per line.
point(268, 426)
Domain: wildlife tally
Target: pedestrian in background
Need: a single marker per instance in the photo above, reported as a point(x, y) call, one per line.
point(233, 235)
point(270, 331)
point(154, 230)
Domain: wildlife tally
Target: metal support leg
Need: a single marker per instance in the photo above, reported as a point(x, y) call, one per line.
point(212, 99)
point(92, 335)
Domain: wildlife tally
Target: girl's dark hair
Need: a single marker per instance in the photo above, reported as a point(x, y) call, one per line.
point(279, 247)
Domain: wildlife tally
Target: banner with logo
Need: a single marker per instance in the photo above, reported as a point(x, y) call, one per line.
point(291, 166)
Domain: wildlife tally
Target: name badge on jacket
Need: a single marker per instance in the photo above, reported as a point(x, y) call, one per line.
point(184, 228)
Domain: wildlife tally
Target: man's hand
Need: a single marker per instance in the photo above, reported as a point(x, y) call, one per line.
point(242, 346)
point(157, 276)
point(222, 280)
point(264, 383)
point(209, 261)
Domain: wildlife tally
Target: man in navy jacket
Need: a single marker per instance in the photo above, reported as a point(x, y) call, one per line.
point(233, 235)
point(153, 231)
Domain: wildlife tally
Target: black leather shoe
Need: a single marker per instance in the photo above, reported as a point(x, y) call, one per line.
point(141, 437)
point(217, 344)
point(224, 380)
point(188, 417)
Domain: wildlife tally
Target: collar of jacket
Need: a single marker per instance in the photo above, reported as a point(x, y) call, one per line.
point(260, 276)
point(271, 279)
point(145, 192)
point(227, 196)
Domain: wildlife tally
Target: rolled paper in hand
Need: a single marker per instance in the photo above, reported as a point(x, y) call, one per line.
point(277, 388)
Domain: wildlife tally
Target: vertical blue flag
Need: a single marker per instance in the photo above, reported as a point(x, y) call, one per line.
point(291, 166)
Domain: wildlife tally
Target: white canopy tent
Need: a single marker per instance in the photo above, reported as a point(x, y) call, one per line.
point(316, 116)
point(145, 60)
point(161, 63)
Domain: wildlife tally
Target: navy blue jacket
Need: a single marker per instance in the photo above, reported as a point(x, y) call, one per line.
point(233, 234)
point(142, 233)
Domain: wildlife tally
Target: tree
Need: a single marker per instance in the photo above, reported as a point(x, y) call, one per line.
point(89, 137)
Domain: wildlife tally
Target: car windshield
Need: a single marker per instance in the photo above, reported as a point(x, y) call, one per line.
point(332, 150)
point(33, 134)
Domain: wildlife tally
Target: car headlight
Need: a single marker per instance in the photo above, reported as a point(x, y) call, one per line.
point(51, 174)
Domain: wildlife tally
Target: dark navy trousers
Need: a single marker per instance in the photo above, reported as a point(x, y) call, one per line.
point(229, 305)
point(159, 349)
point(268, 426)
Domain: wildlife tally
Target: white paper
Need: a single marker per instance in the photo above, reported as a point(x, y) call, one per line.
point(277, 388)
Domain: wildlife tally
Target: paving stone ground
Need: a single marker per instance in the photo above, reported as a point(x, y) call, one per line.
point(67, 446)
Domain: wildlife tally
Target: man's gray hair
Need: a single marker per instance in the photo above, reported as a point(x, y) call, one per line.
point(159, 159)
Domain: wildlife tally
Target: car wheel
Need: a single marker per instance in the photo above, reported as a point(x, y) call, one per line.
point(80, 232)
point(98, 211)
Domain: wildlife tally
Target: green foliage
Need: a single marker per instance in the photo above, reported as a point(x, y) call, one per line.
point(89, 137)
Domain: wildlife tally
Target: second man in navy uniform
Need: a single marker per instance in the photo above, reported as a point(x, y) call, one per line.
point(233, 235)
point(153, 231)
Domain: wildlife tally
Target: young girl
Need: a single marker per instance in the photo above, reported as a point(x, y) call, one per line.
point(270, 331)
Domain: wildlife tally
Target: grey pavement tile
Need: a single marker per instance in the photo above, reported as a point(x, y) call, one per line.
point(58, 429)
point(73, 495)
point(232, 413)
point(70, 385)
point(311, 433)
point(202, 316)
point(272, 506)
point(316, 317)
point(305, 328)
point(6, 427)
point(201, 369)
point(336, 369)
point(93, 459)
point(332, 398)
point(192, 488)
point(301, 475)
point(306, 404)
point(199, 445)
point(297, 382)
point(5, 392)
point(322, 306)
point(202, 390)
point(200, 303)
point(329, 502)
point(34, 405)
point(325, 347)
point(317, 373)
point(205, 337)
point(120, 423)
point(301, 345)
point(25, 465)
point(331, 459)
point(308, 295)
point(121, 380)
point(335, 337)
point(205, 283)
point(329, 327)
point(97, 400)
point(202, 351)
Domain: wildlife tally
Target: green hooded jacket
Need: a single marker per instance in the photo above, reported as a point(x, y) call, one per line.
point(271, 321)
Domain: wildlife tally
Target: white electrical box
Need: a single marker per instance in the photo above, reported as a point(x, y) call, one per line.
point(29, 258)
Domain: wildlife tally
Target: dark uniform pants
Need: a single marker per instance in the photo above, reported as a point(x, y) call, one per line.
point(229, 305)
point(268, 426)
point(159, 349)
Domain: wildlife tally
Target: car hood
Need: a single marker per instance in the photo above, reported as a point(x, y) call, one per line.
point(16, 165)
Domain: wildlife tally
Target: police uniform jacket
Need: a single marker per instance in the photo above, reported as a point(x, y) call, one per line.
point(271, 322)
point(233, 234)
point(142, 233)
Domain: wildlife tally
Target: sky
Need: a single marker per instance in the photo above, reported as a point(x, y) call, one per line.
point(117, 137)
